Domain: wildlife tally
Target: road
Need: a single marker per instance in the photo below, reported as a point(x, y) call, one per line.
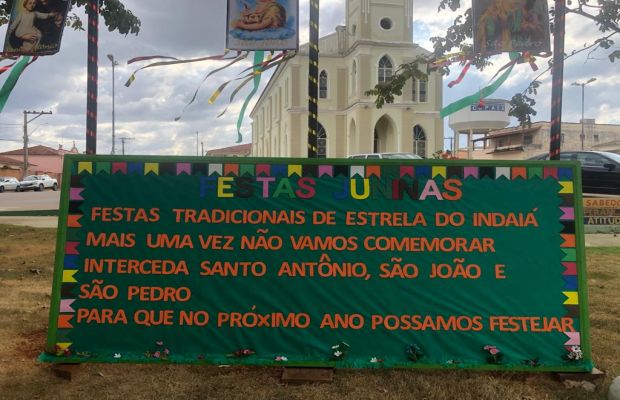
point(14, 201)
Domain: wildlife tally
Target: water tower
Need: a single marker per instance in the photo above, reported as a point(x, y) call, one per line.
point(479, 119)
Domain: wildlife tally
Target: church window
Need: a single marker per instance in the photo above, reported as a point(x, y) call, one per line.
point(423, 90)
point(385, 69)
point(419, 141)
point(323, 85)
point(386, 23)
point(419, 90)
point(321, 142)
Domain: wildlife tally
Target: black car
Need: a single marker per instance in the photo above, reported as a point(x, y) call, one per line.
point(600, 170)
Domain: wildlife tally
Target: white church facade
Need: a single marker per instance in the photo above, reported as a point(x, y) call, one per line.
point(377, 38)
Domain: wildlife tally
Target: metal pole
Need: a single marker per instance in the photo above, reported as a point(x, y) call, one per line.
point(583, 86)
point(91, 100)
point(196, 144)
point(25, 171)
point(557, 72)
point(582, 136)
point(114, 64)
point(202, 149)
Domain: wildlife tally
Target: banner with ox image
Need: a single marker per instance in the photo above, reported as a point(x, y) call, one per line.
point(36, 27)
point(262, 25)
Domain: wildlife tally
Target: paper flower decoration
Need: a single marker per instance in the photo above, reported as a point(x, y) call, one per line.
point(574, 353)
point(534, 362)
point(340, 351)
point(159, 353)
point(494, 355)
point(242, 353)
point(414, 352)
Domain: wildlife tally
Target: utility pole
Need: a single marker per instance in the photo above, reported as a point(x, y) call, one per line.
point(196, 143)
point(114, 64)
point(583, 86)
point(202, 148)
point(26, 122)
point(123, 139)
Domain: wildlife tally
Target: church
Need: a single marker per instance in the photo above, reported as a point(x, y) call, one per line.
point(377, 38)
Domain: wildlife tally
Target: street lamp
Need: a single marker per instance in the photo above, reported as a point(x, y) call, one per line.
point(114, 64)
point(583, 85)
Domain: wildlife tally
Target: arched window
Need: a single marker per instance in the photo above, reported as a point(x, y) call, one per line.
point(419, 90)
point(423, 90)
point(323, 85)
point(321, 142)
point(419, 141)
point(385, 70)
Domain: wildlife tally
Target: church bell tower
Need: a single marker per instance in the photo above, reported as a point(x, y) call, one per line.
point(380, 20)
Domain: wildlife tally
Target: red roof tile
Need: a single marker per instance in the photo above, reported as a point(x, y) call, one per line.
point(242, 150)
point(33, 151)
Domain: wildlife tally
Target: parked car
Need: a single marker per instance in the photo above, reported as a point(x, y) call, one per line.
point(387, 156)
point(600, 170)
point(38, 183)
point(8, 183)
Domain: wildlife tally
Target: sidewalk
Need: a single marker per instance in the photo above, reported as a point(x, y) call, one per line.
point(592, 239)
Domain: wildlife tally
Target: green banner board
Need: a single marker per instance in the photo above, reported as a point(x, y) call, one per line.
point(345, 263)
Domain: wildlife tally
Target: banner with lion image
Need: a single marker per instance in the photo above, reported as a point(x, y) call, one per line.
point(262, 25)
point(36, 27)
point(511, 25)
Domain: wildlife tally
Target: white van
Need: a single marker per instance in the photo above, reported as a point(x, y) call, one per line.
point(387, 156)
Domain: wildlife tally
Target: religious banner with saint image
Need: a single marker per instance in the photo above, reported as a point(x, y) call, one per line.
point(262, 25)
point(511, 25)
point(36, 27)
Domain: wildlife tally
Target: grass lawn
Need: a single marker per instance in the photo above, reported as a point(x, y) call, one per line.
point(26, 264)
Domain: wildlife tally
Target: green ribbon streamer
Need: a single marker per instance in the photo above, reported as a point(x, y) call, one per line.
point(258, 59)
point(484, 92)
point(11, 81)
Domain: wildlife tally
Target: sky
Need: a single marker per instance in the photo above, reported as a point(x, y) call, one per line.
point(145, 112)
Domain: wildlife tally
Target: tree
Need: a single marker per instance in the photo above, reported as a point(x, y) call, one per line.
point(605, 14)
point(115, 16)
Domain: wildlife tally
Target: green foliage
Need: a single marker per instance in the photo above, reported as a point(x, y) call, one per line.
point(115, 16)
point(385, 92)
point(605, 14)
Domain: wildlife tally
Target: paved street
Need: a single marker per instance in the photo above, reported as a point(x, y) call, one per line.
point(14, 201)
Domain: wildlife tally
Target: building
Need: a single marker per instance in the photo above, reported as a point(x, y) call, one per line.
point(377, 39)
point(242, 150)
point(10, 167)
point(522, 143)
point(41, 160)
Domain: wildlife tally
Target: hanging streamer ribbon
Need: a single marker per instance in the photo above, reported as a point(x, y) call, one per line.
point(239, 58)
point(6, 67)
point(162, 63)
point(475, 98)
point(238, 88)
point(447, 60)
point(257, 69)
point(460, 78)
point(145, 58)
point(11, 81)
point(258, 58)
